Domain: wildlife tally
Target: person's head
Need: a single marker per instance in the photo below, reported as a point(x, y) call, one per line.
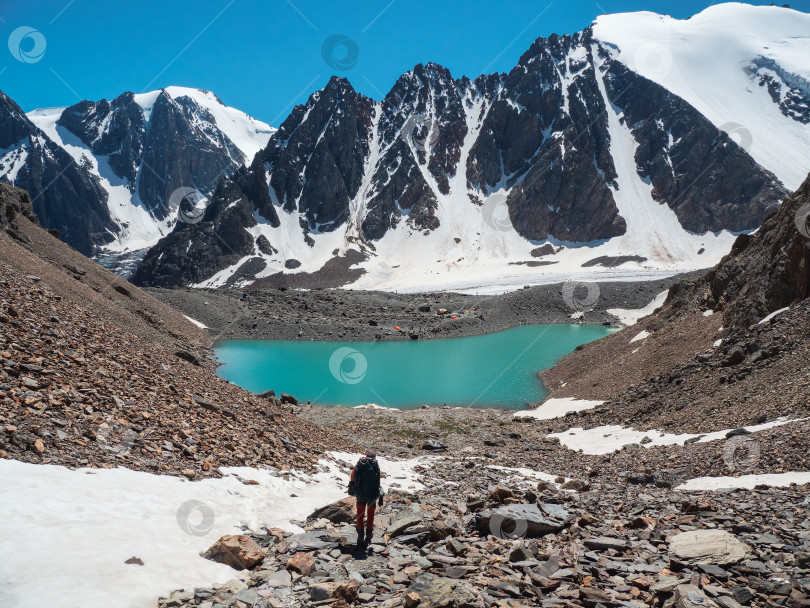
point(371, 454)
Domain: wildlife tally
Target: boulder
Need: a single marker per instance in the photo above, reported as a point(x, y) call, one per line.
point(412, 599)
point(603, 543)
point(237, 551)
point(435, 590)
point(433, 445)
point(303, 563)
point(716, 547)
point(340, 512)
point(691, 596)
point(500, 493)
point(335, 590)
point(519, 521)
point(288, 399)
point(401, 524)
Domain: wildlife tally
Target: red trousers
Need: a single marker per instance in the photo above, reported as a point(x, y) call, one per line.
point(361, 515)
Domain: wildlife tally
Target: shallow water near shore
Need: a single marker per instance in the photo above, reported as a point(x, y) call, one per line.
point(491, 370)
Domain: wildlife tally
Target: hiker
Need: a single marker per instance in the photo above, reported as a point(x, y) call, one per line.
point(364, 485)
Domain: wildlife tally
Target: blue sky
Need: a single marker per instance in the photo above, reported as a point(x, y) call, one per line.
point(265, 56)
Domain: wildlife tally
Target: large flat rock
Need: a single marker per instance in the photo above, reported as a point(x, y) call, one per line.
point(519, 520)
point(716, 547)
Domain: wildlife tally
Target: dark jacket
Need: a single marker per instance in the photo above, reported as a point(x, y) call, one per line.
point(365, 480)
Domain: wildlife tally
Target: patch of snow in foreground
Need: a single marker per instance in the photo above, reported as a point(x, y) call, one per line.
point(197, 323)
point(629, 316)
point(611, 438)
point(556, 408)
point(65, 534)
point(748, 482)
point(773, 314)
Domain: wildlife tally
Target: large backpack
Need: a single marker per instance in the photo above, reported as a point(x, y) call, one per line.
point(367, 479)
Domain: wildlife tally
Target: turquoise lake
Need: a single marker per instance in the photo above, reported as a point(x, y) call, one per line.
point(493, 370)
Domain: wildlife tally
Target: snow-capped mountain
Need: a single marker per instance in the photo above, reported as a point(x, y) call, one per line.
point(615, 146)
point(134, 152)
point(65, 195)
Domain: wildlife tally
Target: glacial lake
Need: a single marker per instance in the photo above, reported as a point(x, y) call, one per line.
point(492, 370)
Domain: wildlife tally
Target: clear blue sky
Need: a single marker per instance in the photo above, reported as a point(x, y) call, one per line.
point(263, 56)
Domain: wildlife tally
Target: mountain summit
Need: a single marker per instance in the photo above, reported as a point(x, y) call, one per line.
point(597, 149)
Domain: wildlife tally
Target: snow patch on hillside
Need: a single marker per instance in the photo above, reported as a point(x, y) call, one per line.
point(557, 408)
point(748, 482)
point(630, 316)
point(611, 438)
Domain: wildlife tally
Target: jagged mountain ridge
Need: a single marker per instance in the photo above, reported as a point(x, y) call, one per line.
point(125, 158)
point(457, 178)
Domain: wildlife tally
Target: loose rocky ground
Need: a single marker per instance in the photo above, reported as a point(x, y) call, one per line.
point(95, 372)
point(478, 536)
point(360, 315)
point(77, 390)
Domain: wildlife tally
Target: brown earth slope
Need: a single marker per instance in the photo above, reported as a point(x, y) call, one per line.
point(681, 377)
point(95, 372)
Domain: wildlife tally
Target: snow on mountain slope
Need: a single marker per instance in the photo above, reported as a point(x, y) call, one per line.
point(138, 228)
point(141, 225)
point(249, 135)
point(477, 250)
point(577, 163)
point(724, 61)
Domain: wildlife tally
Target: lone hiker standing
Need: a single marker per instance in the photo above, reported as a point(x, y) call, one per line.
point(365, 487)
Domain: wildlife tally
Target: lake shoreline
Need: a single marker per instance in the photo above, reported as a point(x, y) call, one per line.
point(408, 375)
point(346, 315)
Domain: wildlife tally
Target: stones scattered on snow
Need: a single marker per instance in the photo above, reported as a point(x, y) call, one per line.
point(238, 551)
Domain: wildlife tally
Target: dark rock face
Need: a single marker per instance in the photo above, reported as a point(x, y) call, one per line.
point(122, 138)
point(180, 146)
point(775, 260)
point(14, 202)
point(316, 158)
point(789, 91)
point(698, 170)
point(538, 136)
point(764, 272)
point(195, 252)
point(553, 141)
point(422, 122)
point(65, 195)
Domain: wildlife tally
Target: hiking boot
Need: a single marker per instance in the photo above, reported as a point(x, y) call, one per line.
point(369, 534)
point(360, 540)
